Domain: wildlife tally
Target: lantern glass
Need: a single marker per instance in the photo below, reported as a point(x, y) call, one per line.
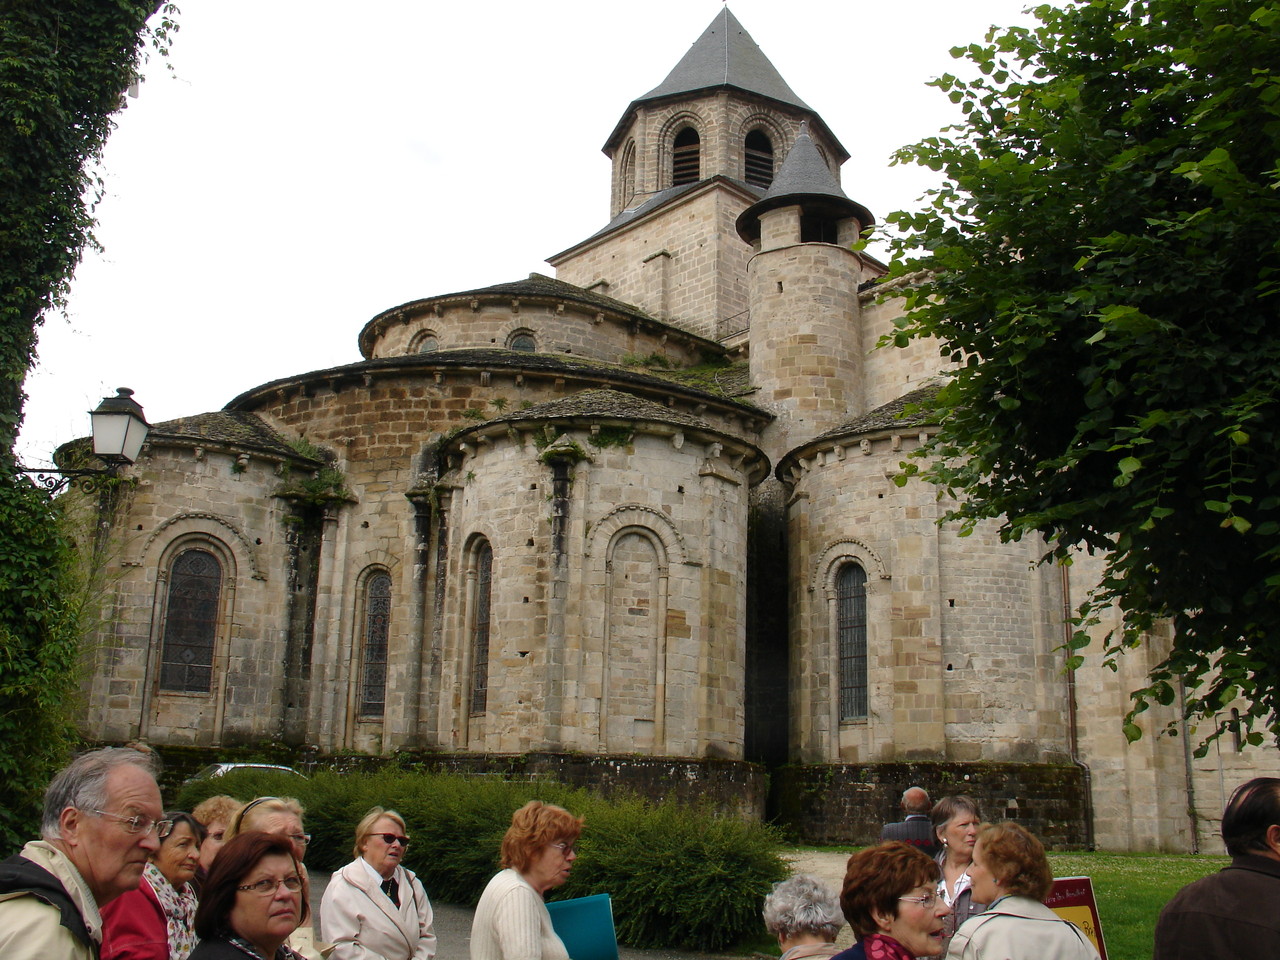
point(119, 428)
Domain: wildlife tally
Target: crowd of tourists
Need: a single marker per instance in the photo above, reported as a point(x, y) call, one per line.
point(117, 878)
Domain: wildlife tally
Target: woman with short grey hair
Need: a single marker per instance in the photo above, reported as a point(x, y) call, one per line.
point(804, 914)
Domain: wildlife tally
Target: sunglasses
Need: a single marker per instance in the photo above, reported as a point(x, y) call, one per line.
point(390, 838)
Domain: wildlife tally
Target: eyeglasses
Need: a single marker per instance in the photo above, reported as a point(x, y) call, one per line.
point(301, 839)
point(162, 828)
point(565, 848)
point(268, 887)
point(927, 901)
point(390, 838)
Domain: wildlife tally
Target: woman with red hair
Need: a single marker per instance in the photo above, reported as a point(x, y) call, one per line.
point(511, 920)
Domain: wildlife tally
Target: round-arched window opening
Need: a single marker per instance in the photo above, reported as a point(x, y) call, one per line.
point(522, 341)
point(684, 157)
point(759, 159)
point(424, 341)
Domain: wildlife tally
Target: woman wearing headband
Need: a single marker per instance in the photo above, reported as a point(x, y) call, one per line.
point(281, 815)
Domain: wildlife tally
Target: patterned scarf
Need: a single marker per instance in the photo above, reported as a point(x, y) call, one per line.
point(248, 949)
point(179, 908)
point(880, 947)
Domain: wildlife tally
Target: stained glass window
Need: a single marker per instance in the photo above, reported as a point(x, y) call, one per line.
point(851, 626)
point(191, 622)
point(377, 622)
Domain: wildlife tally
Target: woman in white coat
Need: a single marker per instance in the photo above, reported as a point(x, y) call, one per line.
point(1011, 874)
point(373, 908)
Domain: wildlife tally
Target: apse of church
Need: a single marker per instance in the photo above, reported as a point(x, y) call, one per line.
point(644, 509)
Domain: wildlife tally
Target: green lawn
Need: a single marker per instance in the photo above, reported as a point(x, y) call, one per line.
point(1131, 889)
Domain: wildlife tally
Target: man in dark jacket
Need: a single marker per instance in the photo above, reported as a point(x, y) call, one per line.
point(916, 829)
point(101, 823)
point(1231, 914)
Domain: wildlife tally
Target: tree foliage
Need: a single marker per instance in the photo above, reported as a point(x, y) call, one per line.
point(1100, 267)
point(64, 67)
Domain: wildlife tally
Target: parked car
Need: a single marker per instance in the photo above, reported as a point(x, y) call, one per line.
point(222, 769)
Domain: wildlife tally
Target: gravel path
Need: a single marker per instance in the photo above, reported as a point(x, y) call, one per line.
point(453, 923)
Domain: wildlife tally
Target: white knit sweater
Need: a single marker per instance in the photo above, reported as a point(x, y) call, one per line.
point(512, 923)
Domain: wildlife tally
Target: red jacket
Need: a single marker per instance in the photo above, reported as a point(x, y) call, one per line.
point(134, 927)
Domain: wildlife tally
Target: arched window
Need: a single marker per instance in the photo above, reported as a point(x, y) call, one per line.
point(628, 178)
point(191, 622)
point(481, 596)
point(373, 659)
point(851, 629)
point(522, 340)
point(425, 342)
point(759, 159)
point(684, 157)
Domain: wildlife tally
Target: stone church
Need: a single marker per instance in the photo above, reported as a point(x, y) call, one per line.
point(645, 508)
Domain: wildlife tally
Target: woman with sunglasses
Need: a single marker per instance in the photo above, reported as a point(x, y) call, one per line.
point(511, 920)
point(373, 907)
point(254, 897)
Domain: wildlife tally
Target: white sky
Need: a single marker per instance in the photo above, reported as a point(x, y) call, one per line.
point(314, 162)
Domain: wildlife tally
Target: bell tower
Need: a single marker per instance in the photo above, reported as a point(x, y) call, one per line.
point(688, 158)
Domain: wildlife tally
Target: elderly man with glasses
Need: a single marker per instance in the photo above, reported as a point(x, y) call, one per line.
point(101, 823)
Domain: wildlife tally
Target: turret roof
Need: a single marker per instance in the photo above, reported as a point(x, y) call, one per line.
point(803, 176)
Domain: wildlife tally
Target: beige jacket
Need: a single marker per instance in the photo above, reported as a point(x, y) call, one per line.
point(1019, 928)
point(363, 924)
point(31, 929)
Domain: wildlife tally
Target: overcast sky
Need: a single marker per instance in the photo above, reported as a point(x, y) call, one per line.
point(313, 162)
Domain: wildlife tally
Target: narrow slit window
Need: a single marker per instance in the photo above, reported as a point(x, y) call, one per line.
point(377, 626)
point(480, 631)
point(851, 627)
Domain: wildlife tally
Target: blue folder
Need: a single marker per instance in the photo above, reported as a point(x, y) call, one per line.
point(586, 927)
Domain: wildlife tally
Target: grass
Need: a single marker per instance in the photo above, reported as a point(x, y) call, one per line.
point(1131, 889)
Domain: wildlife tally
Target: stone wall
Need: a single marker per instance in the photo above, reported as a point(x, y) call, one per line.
point(849, 803)
point(731, 787)
point(684, 264)
point(565, 328)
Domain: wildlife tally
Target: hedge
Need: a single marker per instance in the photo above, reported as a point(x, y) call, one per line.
point(679, 876)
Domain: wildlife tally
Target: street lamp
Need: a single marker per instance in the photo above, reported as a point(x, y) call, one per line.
point(119, 428)
point(119, 431)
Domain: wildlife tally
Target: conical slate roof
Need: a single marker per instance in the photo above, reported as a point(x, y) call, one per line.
point(725, 55)
point(803, 179)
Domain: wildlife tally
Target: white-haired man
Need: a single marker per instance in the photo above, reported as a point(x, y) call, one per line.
point(101, 823)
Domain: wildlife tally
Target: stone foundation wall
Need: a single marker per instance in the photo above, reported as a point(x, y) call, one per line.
point(849, 803)
point(730, 786)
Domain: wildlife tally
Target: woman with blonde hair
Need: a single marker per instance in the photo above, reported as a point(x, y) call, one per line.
point(215, 814)
point(1011, 874)
point(280, 815)
point(511, 920)
point(374, 907)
